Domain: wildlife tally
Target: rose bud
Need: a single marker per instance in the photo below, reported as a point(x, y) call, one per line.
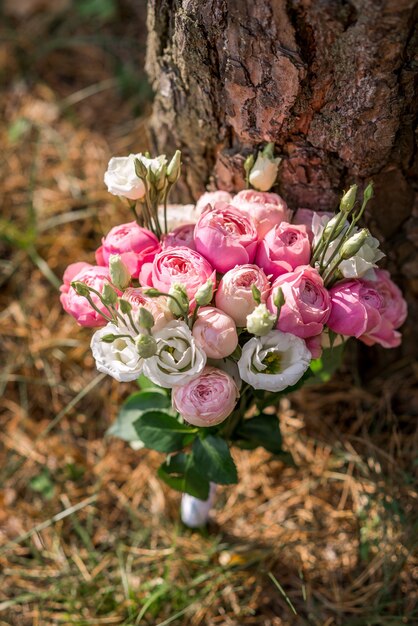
point(215, 333)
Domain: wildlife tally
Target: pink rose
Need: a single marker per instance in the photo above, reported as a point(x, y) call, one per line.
point(234, 294)
point(307, 303)
point(211, 197)
point(266, 209)
point(177, 265)
point(225, 237)
point(180, 236)
point(134, 244)
point(215, 332)
point(78, 306)
point(157, 306)
point(284, 248)
point(208, 399)
point(305, 217)
point(368, 310)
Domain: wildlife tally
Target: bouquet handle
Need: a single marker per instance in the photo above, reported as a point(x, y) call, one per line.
point(195, 512)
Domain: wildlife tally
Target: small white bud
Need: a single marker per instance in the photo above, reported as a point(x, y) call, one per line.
point(119, 273)
point(264, 171)
point(260, 321)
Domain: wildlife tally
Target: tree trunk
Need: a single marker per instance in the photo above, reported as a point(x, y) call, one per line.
point(332, 82)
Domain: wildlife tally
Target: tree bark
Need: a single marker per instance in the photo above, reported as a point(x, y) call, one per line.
point(332, 82)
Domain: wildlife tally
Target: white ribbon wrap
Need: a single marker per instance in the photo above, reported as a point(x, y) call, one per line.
point(195, 512)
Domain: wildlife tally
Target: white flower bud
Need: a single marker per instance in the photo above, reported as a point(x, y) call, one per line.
point(353, 244)
point(174, 168)
point(146, 346)
point(348, 199)
point(109, 295)
point(119, 273)
point(204, 294)
point(179, 302)
point(264, 171)
point(260, 321)
point(145, 318)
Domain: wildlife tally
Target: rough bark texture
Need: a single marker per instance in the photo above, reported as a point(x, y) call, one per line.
point(333, 83)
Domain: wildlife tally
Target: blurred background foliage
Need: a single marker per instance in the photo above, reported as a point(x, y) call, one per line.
point(88, 535)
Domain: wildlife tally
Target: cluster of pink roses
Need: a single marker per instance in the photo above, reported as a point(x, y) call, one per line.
point(234, 297)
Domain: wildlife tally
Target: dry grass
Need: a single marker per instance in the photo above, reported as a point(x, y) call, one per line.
point(88, 535)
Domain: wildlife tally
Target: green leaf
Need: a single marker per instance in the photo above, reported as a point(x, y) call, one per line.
point(145, 383)
point(262, 430)
point(180, 473)
point(212, 453)
point(161, 431)
point(328, 364)
point(132, 408)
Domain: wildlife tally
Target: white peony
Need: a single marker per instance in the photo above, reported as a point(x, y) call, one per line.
point(362, 263)
point(121, 179)
point(274, 362)
point(178, 359)
point(119, 358)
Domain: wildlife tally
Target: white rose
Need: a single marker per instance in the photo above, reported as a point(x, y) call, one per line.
point(121, 179)
point(274, 362)
point(119, 358)
point(362, 263)
point(264, 172)
point(178, 359)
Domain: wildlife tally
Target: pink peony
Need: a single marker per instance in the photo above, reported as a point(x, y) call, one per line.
point(314, 346)
point(180, 236)
point(355, 308)
point(157, 306)
point(215, 332)
point(307, 303)
point(208, 399)
point(211, 197)
point(72, 270)
point(134, 244)
point(234, 294)
point(177, 265)
point(368, 310)
point(266, 209)
point(78, 306)
point(283, 249)
point(305, 217)
point(225, 237)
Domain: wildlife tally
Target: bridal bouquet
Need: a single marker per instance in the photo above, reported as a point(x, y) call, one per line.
point(218, 309)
